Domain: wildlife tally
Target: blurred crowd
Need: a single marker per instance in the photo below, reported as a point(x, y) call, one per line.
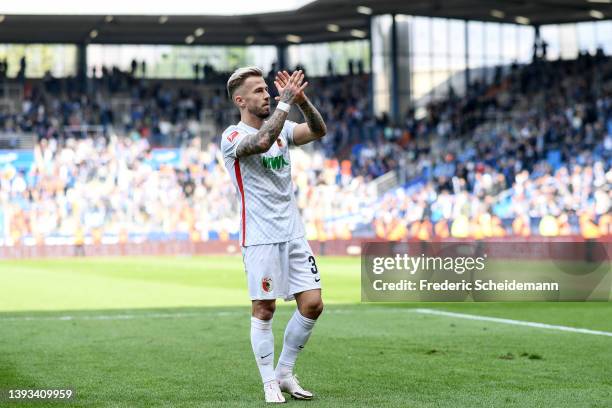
point(165, 112)
point(527, 154)
point(96, 187)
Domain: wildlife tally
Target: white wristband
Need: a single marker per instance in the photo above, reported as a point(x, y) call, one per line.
point(285, 107)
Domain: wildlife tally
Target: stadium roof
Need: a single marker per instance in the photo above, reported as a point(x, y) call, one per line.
point(145, 7)
point(316, 21)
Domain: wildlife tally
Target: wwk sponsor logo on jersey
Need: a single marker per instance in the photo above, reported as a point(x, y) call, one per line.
point(274, 163)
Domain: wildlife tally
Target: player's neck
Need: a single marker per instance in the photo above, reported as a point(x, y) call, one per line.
point(251, 120)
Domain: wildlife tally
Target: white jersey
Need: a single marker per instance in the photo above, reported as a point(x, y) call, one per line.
point(269, 212)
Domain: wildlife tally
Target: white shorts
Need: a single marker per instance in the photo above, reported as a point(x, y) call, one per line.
point(280, 270)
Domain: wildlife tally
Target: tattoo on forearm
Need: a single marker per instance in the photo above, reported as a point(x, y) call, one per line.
point(313, 118)
point(261, 141)
point(287, 95)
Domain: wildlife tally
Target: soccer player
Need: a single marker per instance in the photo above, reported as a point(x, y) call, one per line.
point(277, 257)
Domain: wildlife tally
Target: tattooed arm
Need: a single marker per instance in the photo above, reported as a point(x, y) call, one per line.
point(261, 141)
point(313, 129)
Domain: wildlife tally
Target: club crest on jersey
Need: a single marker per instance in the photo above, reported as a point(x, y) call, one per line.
point(232, 136)
point(266, 284)
point(274, 163)
point(279, 142)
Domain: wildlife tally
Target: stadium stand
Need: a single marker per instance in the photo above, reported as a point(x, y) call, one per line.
point(528, 154)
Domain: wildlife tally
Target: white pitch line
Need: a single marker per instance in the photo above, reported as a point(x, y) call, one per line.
point(131, 316)
point(123, 316)
point(180, 315)
point(511, 321)
point(112, 316)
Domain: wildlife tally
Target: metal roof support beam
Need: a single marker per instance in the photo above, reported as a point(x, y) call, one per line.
point(403, 81)
point(466, 40)
point(395, 113)
point(281, 52)
point(81, 67)
point(391, 71)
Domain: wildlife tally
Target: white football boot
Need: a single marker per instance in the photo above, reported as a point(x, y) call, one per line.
point(273, 392)
point(292, 386)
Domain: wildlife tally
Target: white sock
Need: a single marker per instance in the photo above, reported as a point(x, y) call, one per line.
point(296, 335)
point(262, 340)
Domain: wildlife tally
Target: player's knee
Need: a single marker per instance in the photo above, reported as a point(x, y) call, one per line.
point(264, 310)
point(313, 309)
point(264, 314)
point(318, 308)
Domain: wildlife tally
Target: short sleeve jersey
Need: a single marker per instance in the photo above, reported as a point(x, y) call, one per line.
point(268, 208)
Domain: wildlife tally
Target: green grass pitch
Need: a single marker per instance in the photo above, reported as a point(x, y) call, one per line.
point(174, 332)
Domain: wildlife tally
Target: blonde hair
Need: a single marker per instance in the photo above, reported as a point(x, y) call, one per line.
point(239, 76)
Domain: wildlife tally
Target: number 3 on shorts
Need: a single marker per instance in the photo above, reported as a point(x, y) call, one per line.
point(314, 269)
